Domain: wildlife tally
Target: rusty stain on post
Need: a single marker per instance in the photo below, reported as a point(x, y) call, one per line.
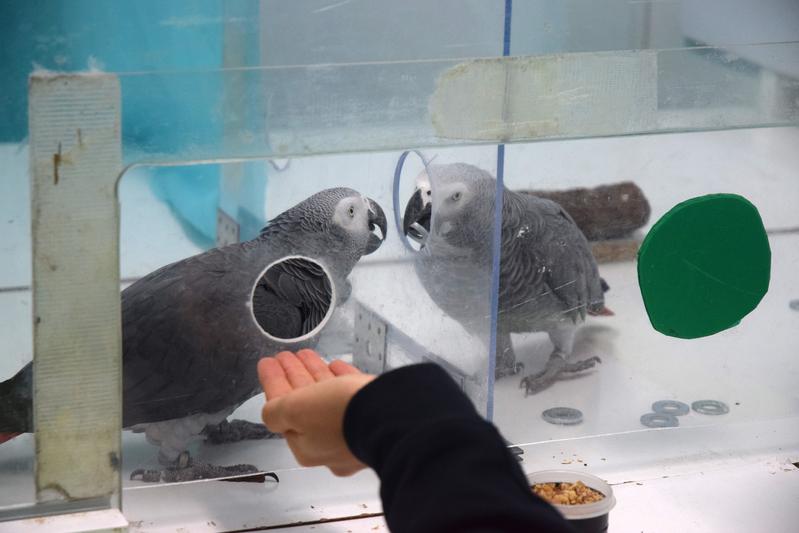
point(56, 164)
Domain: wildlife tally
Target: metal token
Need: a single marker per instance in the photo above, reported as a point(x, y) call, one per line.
point(794, 304)
point(671, 407)
point(564, 416)
point(659, 420)
point(710, 407)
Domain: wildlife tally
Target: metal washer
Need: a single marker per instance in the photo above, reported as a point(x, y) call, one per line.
point(710, 407)
point(563, 416)
point(659, 420)
point(671, 407)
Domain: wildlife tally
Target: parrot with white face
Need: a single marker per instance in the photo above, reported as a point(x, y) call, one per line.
point(193, 331)
point(548, 278)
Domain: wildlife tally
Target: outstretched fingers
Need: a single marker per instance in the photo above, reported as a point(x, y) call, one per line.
point(295, 370)
point(315, 365)
point(340, 368)
point(273, 378)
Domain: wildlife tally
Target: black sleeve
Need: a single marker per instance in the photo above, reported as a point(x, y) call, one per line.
point(442, 467)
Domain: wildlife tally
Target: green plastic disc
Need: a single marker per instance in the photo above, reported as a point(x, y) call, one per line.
point(704, 266)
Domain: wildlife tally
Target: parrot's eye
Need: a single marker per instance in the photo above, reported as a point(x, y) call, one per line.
point(456, 196)
point(429, 193)
point(351, 211)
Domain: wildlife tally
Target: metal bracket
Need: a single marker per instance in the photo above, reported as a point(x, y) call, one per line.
point(227, 229)
point(369, 350)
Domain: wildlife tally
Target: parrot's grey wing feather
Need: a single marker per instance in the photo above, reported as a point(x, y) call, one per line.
point(520, 272)
point(303, 285)
point(547, 254)
point(278, 316)
point(315, 290)
point(191, 336)
point(166, 373)
point(572, 272)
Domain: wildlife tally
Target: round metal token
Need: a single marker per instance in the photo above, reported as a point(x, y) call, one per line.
point(671, 407)
point(564, 416)
point(710, 407)
point(659, 420)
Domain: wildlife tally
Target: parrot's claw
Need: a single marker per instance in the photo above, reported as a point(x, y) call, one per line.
point(237, 430)
point(197, 471)
point(556, 366)
point(192, 472)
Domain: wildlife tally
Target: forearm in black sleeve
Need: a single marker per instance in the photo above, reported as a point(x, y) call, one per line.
point(441, 466)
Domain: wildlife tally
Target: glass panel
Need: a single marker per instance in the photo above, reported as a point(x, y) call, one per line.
point(293, 111)
point(391, 317)
point(412, 294)
point(16, 337)
point(632, 67)
point(169, 214)
point(610, 186)
point(223, 85)
point(546, 27)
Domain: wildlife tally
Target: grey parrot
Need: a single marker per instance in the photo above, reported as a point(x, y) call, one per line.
point(548, 279)
point(193, 331)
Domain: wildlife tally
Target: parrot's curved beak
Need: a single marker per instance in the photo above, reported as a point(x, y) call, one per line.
point(416, 221)
point(377, 219)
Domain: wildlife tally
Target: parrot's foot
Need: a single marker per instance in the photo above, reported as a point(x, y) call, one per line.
point(237, 430)
point(506, 364)
point(556, 366)
point(192, 472)
point(508, 370)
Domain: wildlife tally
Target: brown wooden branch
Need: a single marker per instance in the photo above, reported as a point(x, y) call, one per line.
point(611, 211)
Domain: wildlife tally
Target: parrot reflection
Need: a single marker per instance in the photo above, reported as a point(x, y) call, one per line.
point(548, 277)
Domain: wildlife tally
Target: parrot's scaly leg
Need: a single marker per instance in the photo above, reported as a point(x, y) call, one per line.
point(506, 357)
point(556, 366)
point(197, 470)
point(187, 469)
point(237, 430)
point(184, 468)
point(585, 364)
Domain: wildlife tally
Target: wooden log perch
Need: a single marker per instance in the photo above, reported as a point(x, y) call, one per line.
point(606, 212)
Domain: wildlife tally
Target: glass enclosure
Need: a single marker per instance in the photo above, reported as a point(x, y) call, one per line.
point(230, 114)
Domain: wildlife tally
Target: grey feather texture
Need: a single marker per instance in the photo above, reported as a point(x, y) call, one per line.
point(548, 279)
point(193, 331)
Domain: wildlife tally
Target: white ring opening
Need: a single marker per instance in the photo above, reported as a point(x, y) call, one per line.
point(318, 327)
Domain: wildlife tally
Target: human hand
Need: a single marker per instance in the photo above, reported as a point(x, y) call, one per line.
point(306, 401)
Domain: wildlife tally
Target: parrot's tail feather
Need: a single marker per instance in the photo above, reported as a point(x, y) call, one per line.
point(16, 399)
point(604, 285)
point(603, 311)
point(8, 436)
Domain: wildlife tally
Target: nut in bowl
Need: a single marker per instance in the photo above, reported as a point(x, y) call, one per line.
point(564, 493)
point(583, 499)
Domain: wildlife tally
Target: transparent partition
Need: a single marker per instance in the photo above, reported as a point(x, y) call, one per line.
point(231, 113)
point(381, 318)
point(617, 189)
point(16, 454)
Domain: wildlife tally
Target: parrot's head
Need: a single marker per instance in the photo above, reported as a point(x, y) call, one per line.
point(356, 219)
point(340, 224)
point(452, 202)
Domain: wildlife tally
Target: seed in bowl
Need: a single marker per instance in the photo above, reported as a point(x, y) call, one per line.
point(567, 493)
